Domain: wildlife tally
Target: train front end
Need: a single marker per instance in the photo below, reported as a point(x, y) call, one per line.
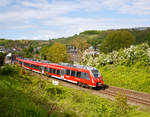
point(97, 77)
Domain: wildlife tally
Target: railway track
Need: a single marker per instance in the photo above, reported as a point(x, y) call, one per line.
point(133, 97)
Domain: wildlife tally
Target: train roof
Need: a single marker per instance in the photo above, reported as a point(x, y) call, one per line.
point(65, 65)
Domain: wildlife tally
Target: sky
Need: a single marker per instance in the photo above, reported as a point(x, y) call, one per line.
point(47, 19)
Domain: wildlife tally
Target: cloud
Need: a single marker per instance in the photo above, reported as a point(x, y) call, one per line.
point(5, 2)
point(42, 9)
point(43, 19)
point(136, 7)
point(38, 10)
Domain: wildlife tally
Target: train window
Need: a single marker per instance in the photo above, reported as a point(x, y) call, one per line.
point(85, 75)
point(25, 64)
point(68, 72)
point(54, 71)
point(45, 68)
point(58, 72)
point(39, 67)
point(96, 73)
point(73, 73)
point(78, 74)
point(50, 70)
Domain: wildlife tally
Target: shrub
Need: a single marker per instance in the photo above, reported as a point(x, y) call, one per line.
point(2, 57)
point(10, 70)
point(121, 104)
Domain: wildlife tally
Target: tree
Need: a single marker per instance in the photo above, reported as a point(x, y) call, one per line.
point(81, 45)
point(2, 57)
point(57, 53)
point(116, 40)
point(95, 42)
point(43, 51)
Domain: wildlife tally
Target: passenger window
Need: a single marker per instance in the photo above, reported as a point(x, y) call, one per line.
point(45, 68)
point(54, 70)
point(68, 72)
point(85, 75)
point(73, 73)
point(49, 70)
point(78, 74)
point(58, 72)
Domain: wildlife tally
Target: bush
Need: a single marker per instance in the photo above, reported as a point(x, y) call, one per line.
point(10, 70)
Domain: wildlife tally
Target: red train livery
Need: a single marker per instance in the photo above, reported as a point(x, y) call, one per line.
point(82, 75)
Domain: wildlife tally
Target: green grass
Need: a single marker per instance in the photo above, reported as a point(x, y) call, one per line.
point(31, 96)
point(135, 78)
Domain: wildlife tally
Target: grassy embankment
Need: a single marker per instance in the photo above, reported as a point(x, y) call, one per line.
point(24, 95)
point(133, 77)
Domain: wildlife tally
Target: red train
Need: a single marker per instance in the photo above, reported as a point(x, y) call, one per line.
point(82, 75)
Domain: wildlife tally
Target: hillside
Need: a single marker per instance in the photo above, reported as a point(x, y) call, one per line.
point(140, 35)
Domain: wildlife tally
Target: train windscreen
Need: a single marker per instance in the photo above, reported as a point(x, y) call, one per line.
point(96, 73)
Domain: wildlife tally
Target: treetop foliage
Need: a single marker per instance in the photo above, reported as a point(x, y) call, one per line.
point(91, 32)
point(57, 53)
point(116, 40)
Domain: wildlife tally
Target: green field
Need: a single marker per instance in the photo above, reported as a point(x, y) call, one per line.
point(135, 78)
point(25, 95)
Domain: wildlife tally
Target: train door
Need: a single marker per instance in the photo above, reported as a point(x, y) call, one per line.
point(62, 73)
point(42, 70)
point(22, 64)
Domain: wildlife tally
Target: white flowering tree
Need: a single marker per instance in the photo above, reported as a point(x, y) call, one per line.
point(128, 56)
